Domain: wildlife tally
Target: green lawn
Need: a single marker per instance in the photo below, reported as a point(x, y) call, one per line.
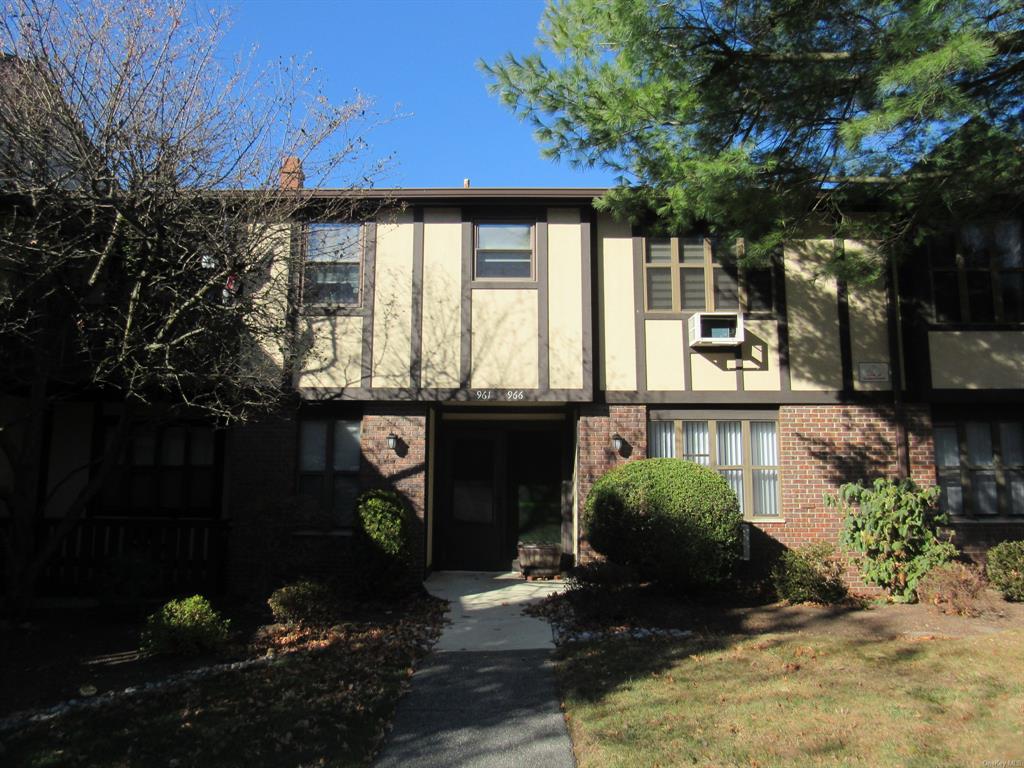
point(797, 700)
point(325, 701)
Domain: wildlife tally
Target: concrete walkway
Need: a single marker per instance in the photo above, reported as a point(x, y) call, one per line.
point(486, 698)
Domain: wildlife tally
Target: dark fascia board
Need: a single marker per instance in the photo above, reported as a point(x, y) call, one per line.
point(441, 195)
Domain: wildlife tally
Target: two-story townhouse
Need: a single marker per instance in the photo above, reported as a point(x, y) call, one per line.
point(489, 353)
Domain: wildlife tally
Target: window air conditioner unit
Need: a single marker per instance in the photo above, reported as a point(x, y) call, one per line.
point(709, 330)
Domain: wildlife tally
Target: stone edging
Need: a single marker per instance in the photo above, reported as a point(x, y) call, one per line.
point(29, 716)
point(564, 635)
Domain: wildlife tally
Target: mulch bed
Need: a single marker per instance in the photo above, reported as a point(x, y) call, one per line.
point(616, 609)
point(325, 697)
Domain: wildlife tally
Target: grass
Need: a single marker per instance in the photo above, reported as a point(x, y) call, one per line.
point(325, 701)
point(796, 700)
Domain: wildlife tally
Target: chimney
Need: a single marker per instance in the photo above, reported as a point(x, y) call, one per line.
point(465, 183)
point(292, 176)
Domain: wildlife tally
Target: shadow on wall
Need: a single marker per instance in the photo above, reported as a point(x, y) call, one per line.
point(871, 454)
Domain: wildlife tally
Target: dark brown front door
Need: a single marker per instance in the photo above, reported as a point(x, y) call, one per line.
point(474, 530)
point(498, 483)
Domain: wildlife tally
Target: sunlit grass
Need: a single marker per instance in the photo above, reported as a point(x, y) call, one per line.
point(803, 701)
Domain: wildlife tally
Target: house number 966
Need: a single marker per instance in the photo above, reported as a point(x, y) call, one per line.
point(504, 394)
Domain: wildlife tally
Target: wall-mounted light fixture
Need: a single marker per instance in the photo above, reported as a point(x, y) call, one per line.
point(618, 443)
point(393, 442)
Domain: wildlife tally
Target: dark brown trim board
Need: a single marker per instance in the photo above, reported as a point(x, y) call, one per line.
point(734, 414)
point(466, 311)
point(750, 398)
point(369, 283)
point(845, 342)
point(588, 256)
point(543, 332)
point(782, 313)
point(638, 314)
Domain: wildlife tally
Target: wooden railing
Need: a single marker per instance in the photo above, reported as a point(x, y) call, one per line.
point(136, 557)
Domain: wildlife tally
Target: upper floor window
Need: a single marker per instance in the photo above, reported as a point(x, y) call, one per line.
point(980, 467)
point(745, 453)
point(333, 264)
point(329, 454)
point(978, 274)
point(696, 274)
point(503, 251)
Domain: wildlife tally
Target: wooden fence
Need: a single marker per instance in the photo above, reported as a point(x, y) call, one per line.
point(136, 557)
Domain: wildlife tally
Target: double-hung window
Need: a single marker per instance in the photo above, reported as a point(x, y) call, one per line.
point(504, 251)
point(329, 455)
point(744, 452)
point(333, 265)
point(980, 467)
point(978, 274)
point(697, 274)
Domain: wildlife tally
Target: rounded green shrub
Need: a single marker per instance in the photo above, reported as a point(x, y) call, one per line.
point(810, 574)
point(671, 521)
point(189, 627)
point(384, 544)
point(1005, 569)
point(303, 602)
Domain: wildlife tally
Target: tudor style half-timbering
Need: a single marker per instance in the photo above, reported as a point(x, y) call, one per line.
point(488, 353)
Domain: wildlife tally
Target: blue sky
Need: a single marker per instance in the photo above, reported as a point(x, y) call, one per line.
point(418, 58)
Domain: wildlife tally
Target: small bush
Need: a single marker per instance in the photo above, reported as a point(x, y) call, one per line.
point(384, 537)
point(953, 588)
point(304, 602)
point(671, 521)
point(810, 574)
point(189, 627)
point(894, 526)
point(1005, 569)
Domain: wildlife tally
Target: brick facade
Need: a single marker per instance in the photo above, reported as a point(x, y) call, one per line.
point(823, 446)
point(403, 470)
point(273, 535)
point(596, 426)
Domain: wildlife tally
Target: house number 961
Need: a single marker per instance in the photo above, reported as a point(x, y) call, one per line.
point(503, 394)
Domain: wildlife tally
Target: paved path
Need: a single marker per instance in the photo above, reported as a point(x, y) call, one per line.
point(486, 698)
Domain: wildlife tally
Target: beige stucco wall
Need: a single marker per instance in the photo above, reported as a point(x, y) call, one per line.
point(265, 348)
point(565, 299)
point(504, 331)
point(442, 281)
point(869, 323)
point(336, 353)
point(977, 359)
point(617, 312)
point(761, 356)
point(713, 371)
point(392, 312)
point(664, 348)
point(813, 311)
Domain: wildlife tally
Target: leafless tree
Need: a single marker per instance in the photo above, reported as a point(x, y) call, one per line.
point(145, 247)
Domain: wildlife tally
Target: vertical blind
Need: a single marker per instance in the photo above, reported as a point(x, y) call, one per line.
point(662, 440)
point(750, 468)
